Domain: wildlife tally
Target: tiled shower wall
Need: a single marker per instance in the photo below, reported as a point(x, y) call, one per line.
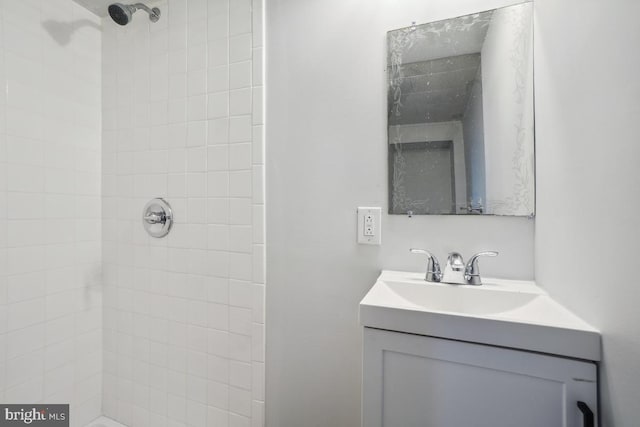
point(50, 208)
point(183, 315)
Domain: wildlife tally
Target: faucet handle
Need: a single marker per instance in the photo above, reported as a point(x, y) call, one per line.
point(434, 273)
point(472, 270)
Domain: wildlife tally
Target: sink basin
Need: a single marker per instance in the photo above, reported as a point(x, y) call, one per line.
point(467, 300)
point(508, 313)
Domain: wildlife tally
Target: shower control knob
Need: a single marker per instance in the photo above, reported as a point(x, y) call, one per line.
point(157, 218)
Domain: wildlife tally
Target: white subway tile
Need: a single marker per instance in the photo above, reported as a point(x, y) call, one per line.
point(218, 316)
point(178, 56)
point(218, 343)
point(257, 413)
point(240, 401)
point(23, 368)
point(218, 210)
point(166, 319)
point(197, 110)
point(240, 347)
point(177, 85)
point(196, 185)
point(197, 82)
point(197, 56)
point(25, 286)
point(218, 290)
point(240, 183)
point(25, 313)
point(258, 223)
point(218, 105)
point(240, 156)
point(258, 184)
point(218, 237)
point(218, 184)
point(197, 210)
point(176, 185)
point(240, 129)
point(240, 48)
point(218, 395)
point(218, 157)
point(177, 134)
point(25, 340)
point(217, 416)
point(218, 52)
point(258, 106)
point(240, 238)
point(30, 391)
point(257, 380)
point(257, 342)
point(218, 78)
point(197, 339)
point(258, 266)
point(24, 232)
point(196, 413)
point(218, 262)
point(240, 102)
point(218, 369)
point(240, 212)
point(177, 113)
point(257, 65)
point(25, 205)
point(240, 75)
point(218, 131)
point(177, 408)
point(240, 320)
point(197, 159)
point(197, 30)
point(24, 178)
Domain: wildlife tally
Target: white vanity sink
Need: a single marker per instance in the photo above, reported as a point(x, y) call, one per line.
point(507, 313)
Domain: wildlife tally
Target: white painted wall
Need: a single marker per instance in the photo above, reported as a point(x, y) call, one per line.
point(507, 96)
point(326, 155)
point(587, 232)
point(50, 210)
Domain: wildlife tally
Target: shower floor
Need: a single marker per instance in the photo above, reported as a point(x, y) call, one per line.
point(104, 422)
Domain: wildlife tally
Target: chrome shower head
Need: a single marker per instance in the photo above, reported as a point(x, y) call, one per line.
point(123, 13)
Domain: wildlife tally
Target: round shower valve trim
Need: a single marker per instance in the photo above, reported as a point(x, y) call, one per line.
point(157, 218)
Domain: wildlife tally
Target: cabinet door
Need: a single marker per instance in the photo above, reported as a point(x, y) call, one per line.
point(412, 381)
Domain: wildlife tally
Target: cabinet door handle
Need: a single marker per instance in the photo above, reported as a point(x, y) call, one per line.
point(587, 414)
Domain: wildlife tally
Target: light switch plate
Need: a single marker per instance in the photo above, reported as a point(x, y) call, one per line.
point(369, 225)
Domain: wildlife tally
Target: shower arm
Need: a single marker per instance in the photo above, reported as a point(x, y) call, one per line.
point(143, 7)
point(151, 12)
point(154, 13)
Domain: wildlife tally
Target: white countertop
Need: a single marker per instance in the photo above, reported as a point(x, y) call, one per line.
point(507, 313)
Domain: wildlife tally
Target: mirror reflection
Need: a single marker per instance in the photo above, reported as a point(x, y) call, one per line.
point(460, 115)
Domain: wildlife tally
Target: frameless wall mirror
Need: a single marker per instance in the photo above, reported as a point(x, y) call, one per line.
point(460, 115)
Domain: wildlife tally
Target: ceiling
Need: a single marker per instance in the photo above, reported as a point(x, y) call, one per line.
point(440, 39)
point(99, 7)
point(438, 69)
point(437, 90)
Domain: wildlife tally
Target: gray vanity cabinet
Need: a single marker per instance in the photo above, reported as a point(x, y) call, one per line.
point(412, 380)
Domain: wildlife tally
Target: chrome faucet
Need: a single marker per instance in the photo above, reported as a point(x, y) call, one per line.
point(434, 274)
point(455, 272)
point(472, 270)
